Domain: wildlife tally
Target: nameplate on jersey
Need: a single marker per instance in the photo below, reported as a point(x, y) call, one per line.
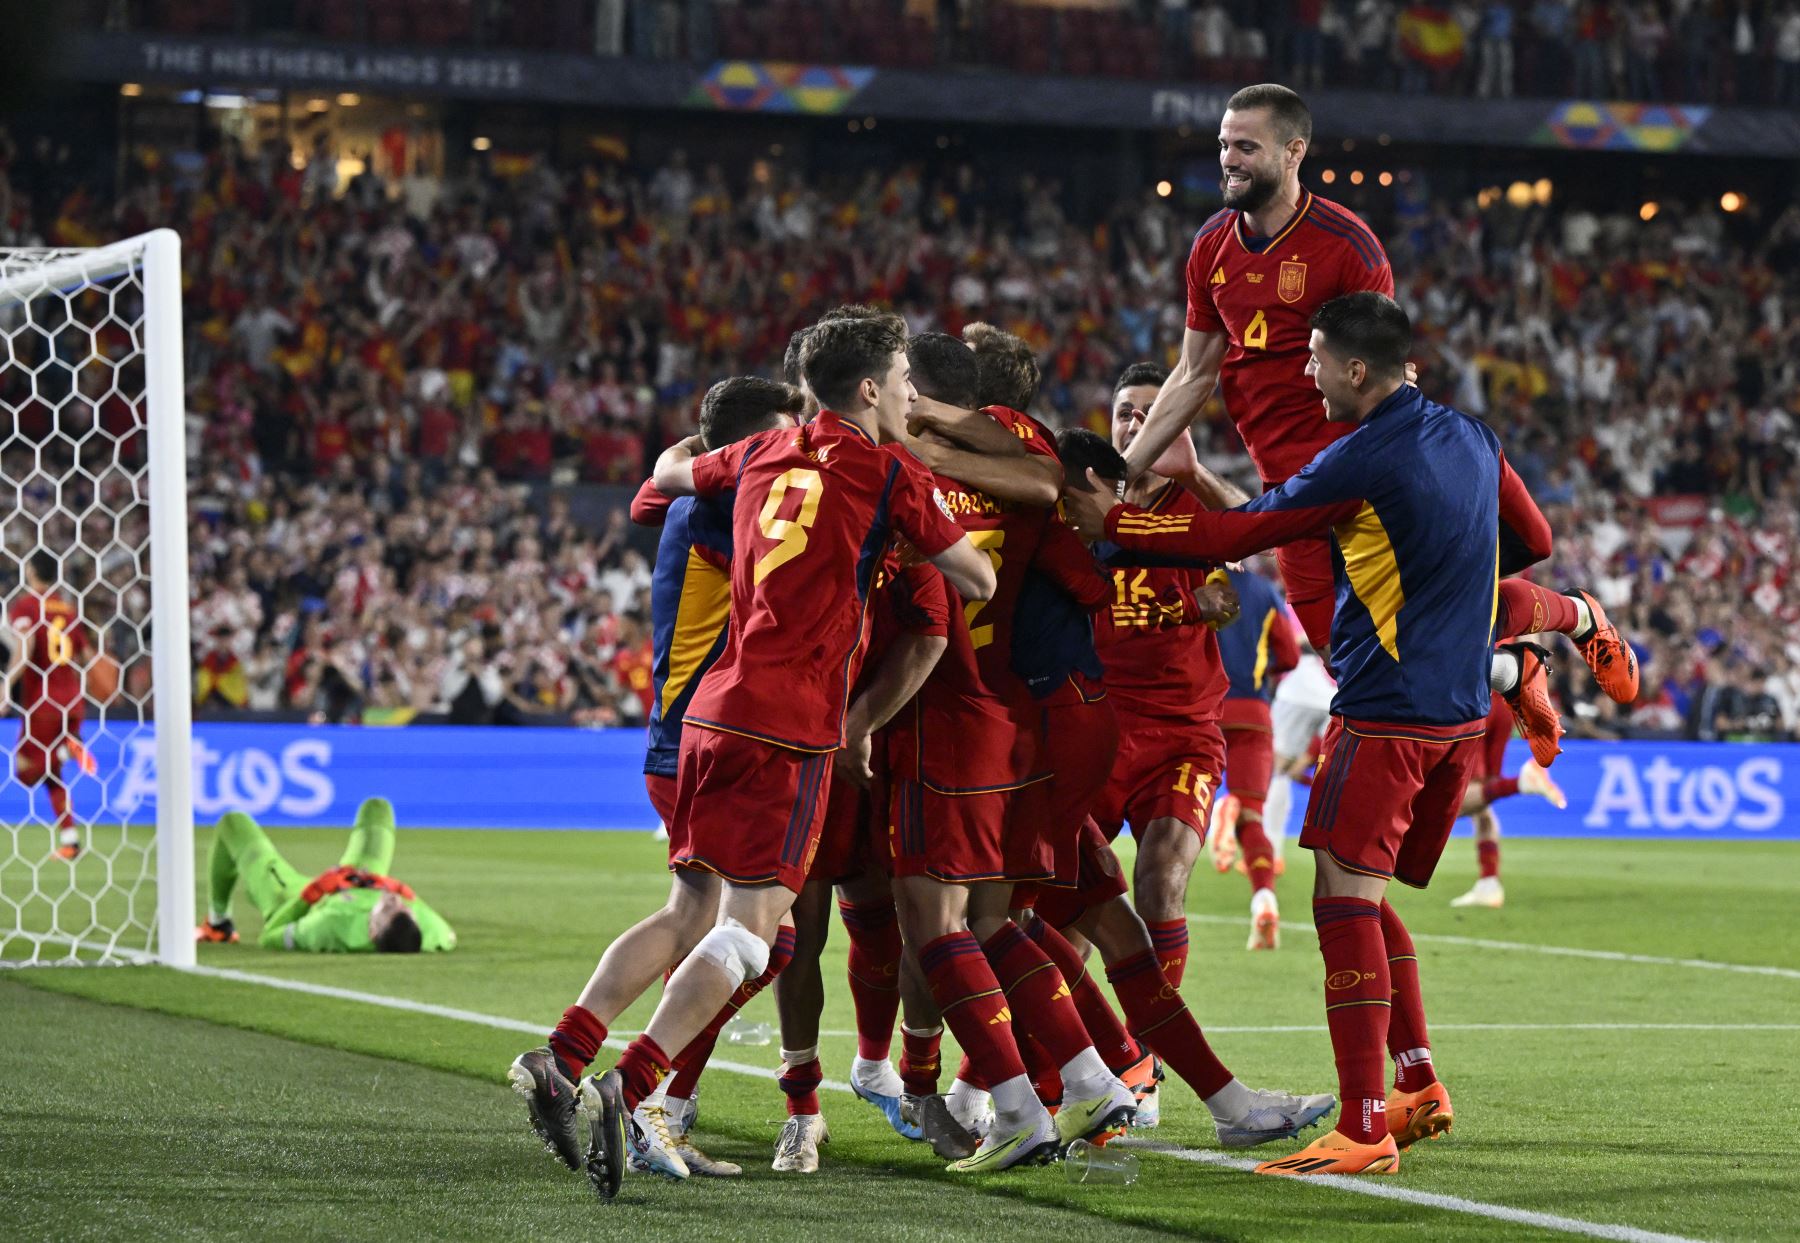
point(957, 501)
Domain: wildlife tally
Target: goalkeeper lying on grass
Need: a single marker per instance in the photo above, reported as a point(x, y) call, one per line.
point(354, 908)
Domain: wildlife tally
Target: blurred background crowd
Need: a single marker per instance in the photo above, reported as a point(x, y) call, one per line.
point(417, 401)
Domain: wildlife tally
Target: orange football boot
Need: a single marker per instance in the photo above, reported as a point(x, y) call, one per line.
point(221, 934)
point(1614, 664)
point(69, 850)
point(1337, 1153)
point(1530, 702)
point(1413, 1116)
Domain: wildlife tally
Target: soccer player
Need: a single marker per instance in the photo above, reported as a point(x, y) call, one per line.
point(354, 908)
point(1256, 650)
point(1411, 500)
point(1493, 785)
point(814, 511)
point(966, 746)
point(44, 678)
point(1167, 686)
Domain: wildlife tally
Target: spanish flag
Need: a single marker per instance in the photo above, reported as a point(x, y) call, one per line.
point(1430, 36)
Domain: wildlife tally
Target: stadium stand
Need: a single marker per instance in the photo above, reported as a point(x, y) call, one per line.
point(392, 386)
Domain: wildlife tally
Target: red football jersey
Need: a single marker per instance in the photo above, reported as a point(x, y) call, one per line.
point(815, 510)
point(1153, 670)
point(53, 639)
point(1262, 292)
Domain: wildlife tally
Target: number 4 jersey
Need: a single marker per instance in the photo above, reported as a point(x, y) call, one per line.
point(1261, 292)
point(816, 508)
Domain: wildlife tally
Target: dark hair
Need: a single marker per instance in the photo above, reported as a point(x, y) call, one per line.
point(42, 564)
point(742, 406)
point(1141, 373)
point(1369, 326)
point(862, 310)
point(1082, 450)
point(839, 354)
point(1289, 112)
point(944, 369)
point(401, 936)
point(790, 361)
point(1009, 370)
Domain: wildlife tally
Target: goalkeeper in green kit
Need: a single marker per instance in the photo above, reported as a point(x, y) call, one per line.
point(354, 908)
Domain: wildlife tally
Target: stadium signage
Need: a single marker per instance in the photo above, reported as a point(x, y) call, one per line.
point(1664, 795)
point(303, 66)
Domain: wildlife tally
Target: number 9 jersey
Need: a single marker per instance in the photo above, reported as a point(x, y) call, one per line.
point(816, 509)
point(1262, 292)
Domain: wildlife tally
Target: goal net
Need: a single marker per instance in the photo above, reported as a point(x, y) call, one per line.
point(94, 576)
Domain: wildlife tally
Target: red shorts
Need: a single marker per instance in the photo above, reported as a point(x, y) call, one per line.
point(1305, 568)
point(1249, 749)
point(1499, 733)
point(1098, 879)
point(750, 811)
point(661, 790)
point(844, 837)
point(957, 838)
point(1386, 795)
point(1079, 740)
point(1163, 769)
point(45, 732)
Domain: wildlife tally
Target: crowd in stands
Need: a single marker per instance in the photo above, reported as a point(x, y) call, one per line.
point(1711, 51)
point(392, 389)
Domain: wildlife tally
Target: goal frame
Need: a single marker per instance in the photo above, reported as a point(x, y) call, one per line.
point(157, 255)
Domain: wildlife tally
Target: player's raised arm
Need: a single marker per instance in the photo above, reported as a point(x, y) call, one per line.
point(674, 473)
point(1183, 394)
point(974, 448)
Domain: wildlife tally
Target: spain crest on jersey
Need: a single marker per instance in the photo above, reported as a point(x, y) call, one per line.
point(1290, 283)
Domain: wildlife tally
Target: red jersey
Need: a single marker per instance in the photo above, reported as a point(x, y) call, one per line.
point(815, 509)
point(1152, 669)
point(53, 638)
point(1261, 293)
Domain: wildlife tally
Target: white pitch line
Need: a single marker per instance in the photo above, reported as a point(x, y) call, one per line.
point(1383, 1190)
point(1425, 1199)
point(1566, 951)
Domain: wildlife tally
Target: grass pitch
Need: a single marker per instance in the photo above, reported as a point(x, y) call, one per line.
point(1644, 1096)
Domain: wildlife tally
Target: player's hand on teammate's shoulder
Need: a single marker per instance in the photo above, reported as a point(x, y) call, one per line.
point(1085, 504)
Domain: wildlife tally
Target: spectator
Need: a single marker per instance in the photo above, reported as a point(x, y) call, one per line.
point(1496, 51)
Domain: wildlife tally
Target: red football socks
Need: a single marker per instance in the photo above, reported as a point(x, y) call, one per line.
point(1356, 1010)
point(641, 1067)
point(1259, 854)
point(59, 803)
point(1487, 858)
point(969, 998)
point(1170, 937)
point(1114, 1044)
point(1526, 608)
point(801, 1084)
point(920, 1061)
point(577, 1038)
point(1407, 1038)
point(874, 974)
point(1497, 788)
point(1038, 994)
point(1160, 1019)
point(691, 1061)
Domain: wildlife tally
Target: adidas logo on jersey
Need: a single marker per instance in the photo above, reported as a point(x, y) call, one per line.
point(1219, 276)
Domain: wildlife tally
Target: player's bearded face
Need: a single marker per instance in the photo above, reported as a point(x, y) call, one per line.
point(1250, 159)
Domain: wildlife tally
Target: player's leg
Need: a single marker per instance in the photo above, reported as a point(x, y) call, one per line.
point(921, 1041)
point(1487, 890)
point(866, 905)
point(800, 1002)
point(1249, 766)
point(37, 761)
point(371, 845)
point(1168, 848)
point(243, 853)
point(1306, 574)
point(1526, 608)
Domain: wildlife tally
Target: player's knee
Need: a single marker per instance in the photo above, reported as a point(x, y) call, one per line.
point(1118, 931)
point(735, 950)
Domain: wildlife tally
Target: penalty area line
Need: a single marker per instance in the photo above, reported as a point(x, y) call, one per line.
point(1423, 1199)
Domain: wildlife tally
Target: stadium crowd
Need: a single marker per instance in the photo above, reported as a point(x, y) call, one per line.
point(393, 385)
point(1712, 51)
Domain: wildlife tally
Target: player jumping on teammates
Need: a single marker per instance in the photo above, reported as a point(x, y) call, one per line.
point(354, 908)
point(1411, 500)
point(44, 677)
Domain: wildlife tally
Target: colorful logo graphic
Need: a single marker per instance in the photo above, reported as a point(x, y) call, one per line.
point(1585, 126)
point(776, 86)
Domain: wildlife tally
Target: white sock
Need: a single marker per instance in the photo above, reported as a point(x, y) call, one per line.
point(799, 1057)
point(1503, 672)
point(1230, 1102)
point(1584, 616)
point(1013, 1099)
point(1085, 1076)
point(1275, 810)
point(876, 1075)
point(1258, 897)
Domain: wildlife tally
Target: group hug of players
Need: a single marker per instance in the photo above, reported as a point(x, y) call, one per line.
point(911, 646)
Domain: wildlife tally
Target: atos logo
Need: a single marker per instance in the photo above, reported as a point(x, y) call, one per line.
point(247, 779)
point(1663, 795)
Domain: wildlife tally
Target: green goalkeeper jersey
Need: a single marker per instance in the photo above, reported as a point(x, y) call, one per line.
point(338, 923)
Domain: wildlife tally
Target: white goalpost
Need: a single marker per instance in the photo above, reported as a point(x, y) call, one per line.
point(93, 462)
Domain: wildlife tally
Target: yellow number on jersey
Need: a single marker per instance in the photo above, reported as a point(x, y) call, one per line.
point(988, 542)
point(1256, 333)
point(57, 643)
point(791, 532)
point(1200, 782)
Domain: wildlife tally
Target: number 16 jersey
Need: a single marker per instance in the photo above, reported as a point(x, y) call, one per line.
point(815, 510)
